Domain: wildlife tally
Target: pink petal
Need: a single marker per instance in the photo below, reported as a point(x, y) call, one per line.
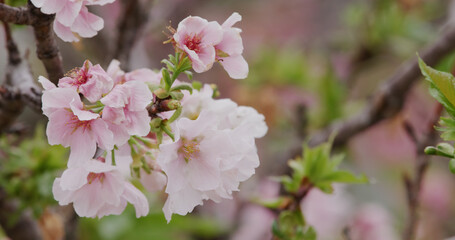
point(212, 34)
point(64, 33)
point(83, 115)
point(73, 178)
point(50, 6)
point(68, 14)
point(83, 148)
point(87, 24)
point(234, 18)
point(235, 66)
point(231, 43)
point(103, 135)
point(47, 85)
point(137, 198)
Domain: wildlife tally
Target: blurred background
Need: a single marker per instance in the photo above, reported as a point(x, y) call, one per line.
point(312, 62)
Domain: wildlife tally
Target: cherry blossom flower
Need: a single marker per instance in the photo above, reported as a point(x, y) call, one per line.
point(125, 110)
point(209, 158)
point(97, 189)
point(197, 38)
point(229, 50)
point(90, 80)
point(72, 16)
point(72, 125)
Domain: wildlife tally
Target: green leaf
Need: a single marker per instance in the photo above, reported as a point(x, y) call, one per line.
point(167, 79)
point(442, 86)
point(183, 87)
point(452, 165)
point(343, 177)
point(176, 114)
point(448, 128)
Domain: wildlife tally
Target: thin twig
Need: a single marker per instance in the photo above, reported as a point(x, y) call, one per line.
point(414, 185)
point(389, 99)
point(130, 25)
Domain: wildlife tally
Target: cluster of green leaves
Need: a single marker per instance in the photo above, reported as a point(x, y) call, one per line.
point(28, 170)
point(442, 88)
point(166, 91)
point(315, 169)
point(320, 169)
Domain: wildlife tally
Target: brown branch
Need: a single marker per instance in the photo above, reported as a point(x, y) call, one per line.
point(414, 186)
point(130, 25)
point(389, 99)
point(46, 46)
point(14, 15)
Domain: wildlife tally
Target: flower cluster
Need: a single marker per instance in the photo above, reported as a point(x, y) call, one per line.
point(149, 126)
point(72, 16)
point(206, 42)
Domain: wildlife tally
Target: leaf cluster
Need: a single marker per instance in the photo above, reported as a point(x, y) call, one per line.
point(315, 168)
point(442, 88)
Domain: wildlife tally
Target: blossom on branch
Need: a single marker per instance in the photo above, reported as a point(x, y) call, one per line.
point(72, 16)
point(97, 189)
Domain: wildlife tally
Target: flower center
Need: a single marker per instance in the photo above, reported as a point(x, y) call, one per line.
point(75, 123)
point(193, 43)
point(189, 149)
point(91, 177)
point(79, 75)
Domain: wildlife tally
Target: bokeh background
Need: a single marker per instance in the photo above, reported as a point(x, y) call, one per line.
point(312, 62)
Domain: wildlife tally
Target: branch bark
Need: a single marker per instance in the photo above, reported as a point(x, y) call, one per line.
point(389, 99)
point(414, 186)
point(14, 15)
point(131, 23)
point(46, 45)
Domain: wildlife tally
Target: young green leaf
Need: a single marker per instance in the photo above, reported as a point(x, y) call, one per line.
point(442, 86)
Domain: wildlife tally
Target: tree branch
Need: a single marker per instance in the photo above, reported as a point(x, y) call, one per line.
point(14, 15)
point(414, 186)
point(46, 46)
point(389, 99)
point(131, 22)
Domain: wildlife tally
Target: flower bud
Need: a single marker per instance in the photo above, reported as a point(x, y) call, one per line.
point(161, 93)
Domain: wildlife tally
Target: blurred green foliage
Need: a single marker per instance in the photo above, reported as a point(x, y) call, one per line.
point(16, 2)
point(291, 68)
point(389, 25)
point(28, 170)
point(153, 226)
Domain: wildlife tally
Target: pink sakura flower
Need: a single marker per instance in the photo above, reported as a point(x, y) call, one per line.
point(97, 189)
point(239, 118)
point(197, 38)
point(91, 81)
point(71, 125)
point(125, 110)
point(145, 75)
point(230, 49)
point(73, 16)
point(205, 162)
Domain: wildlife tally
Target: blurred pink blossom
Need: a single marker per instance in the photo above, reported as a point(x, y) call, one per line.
point(97, 189)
